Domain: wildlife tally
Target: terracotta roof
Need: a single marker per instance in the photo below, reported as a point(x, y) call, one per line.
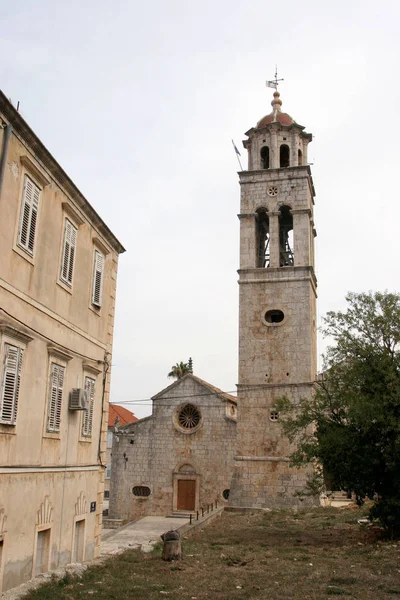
point(282, 118)
point(124, 415)
point(212, 388)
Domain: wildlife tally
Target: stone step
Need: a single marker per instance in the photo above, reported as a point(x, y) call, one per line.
point(113, 523)
point(180, 515)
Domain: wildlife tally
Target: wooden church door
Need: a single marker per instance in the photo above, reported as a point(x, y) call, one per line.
point(186, 494)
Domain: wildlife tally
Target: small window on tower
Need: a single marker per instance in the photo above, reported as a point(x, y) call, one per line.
point(284, 154)
point(273, 415)
point(262, 238)
point(265, 157)
point(274, 316)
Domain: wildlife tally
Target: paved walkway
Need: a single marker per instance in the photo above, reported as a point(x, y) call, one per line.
point(141, 534)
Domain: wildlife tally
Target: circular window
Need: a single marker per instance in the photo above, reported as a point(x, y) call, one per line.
point(274, 316)
point(225, 494)
point(274, 415)
point(272, 190)
point(189, 416)
point(141, 490)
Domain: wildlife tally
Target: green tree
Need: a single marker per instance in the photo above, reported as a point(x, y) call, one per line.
point(351, 427)
point(180, 369)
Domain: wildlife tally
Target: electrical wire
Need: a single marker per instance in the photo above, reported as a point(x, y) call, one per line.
point(243, 387)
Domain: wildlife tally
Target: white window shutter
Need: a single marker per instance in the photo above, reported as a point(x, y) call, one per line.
point(29, 214)
point(55, 400)
point(12, 365)
point(68, 256)
point(98, 275)
point(87, 423)
point(33, 222)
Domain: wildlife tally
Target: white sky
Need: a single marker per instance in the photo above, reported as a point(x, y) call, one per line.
point(139, 101)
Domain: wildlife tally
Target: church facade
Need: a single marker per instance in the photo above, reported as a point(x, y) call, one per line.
point(277, 307)
point(180, 458)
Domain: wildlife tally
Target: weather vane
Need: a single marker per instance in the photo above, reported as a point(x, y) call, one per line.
point(274, 83)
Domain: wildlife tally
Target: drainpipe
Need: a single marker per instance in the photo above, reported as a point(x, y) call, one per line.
point(3, 159)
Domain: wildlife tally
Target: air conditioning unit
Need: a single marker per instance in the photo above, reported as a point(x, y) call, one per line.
point(78, 399)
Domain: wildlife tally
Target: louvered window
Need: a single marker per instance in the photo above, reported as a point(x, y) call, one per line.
point(87, 421)
point(29, 216)
point(98, 274)
point(12, 363)
point(68, 255)
point(55, 401)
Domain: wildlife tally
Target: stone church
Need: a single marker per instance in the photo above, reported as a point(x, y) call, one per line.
point(178, 459)
point(194, 448)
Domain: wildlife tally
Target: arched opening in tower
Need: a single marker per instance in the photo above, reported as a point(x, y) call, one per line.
point(299, 158)
point(264, 157)
point(284, 156)
point(262, 238)
point(286, 241)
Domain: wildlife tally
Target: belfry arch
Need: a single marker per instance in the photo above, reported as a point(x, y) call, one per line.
point(264, 154)
point(284, 156)
point(286, 241)
point(262, 238)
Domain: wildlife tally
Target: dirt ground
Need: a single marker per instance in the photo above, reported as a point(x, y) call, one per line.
point(277, 555)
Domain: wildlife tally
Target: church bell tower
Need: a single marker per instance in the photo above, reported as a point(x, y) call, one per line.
point(277, 307)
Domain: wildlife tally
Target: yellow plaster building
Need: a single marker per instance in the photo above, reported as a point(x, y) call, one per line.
point(58, 273)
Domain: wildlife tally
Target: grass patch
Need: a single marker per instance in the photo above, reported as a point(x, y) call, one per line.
point(343, 581)
point(309, 555)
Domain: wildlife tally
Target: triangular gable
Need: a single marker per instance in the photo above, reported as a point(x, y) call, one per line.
point(207, 386)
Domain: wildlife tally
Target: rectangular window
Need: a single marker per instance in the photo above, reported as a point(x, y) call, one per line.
point(87, 421)
point(42, 551)
point(98, 271)
point(68, 253)
point(79, 541)
point(11, 376)
point(55, 400)
point(29, 215)
point(108, 471)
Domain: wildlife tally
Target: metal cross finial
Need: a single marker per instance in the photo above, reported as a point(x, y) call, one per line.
point(274, 83)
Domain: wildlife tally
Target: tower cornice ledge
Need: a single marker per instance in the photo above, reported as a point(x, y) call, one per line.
point(278, 275)
point(283, 171)
point(249, 386)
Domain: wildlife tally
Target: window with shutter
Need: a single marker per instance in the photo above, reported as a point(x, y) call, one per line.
point(12, 364)
point(29, 216)
point(55, 397)
point(68, 254)
point(98, 272)
point(87, 421)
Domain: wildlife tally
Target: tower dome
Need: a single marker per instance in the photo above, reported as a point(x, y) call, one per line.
point(277, 141)
point(276, 115)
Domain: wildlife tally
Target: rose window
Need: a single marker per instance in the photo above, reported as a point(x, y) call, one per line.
point(189, 416)
point(272, 190)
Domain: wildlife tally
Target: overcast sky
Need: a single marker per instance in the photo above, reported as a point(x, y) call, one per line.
point(139, 101)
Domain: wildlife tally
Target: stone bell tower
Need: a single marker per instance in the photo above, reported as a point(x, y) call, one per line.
point(277, 306)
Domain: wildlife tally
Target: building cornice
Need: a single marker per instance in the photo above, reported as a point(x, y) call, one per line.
point(41, 153)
